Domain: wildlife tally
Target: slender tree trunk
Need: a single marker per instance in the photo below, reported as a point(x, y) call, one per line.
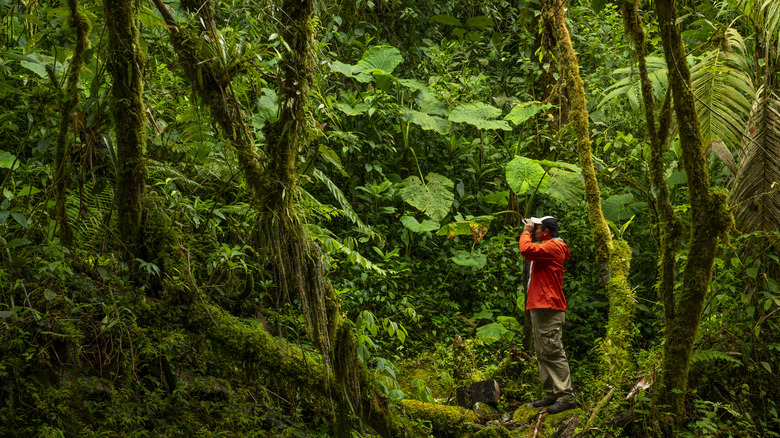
point(709, 219)
point(554, 13)
point(670, 226)
point(81, 25)
point(613, 258)
point(125, 63)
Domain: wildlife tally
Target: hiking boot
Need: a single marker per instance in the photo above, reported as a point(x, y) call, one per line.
point(543, 403)
point(560, 406)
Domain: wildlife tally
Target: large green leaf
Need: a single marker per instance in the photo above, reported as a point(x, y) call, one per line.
point(430, 105)
point(426, 121)
point(376, 65)
point(464, 227)
point(524, 174)
point(493, 332)
point(618, 208)
point(469, 260)
point(7, 160)
point(480, 115)
point(433, 198)
point(523, 111)
point(566, 186)
point(379, 59)
point(416, 227)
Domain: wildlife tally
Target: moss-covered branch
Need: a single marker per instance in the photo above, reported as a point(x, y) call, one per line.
point(670, 226)
point(81, 26)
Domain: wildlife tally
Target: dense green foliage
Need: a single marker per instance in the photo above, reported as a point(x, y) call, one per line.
point(432, 128)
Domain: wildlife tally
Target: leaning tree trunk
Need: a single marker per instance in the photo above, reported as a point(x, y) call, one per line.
point(125, 63)
point(81, 25)
point(709, 219)
point(613, 257)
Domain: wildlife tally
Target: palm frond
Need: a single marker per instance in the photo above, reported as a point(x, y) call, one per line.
point(724, 91)
point(756, 194)
point(628, 85)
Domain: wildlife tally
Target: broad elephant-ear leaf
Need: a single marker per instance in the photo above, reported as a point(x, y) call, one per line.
point(755, 191)
point(434, 197)
point(724, 91)
point(426, 121)
point(618, 208)
point(416, 227)
point(524, 174)
point(523, 111)
point(430, 105)
point(379, 59)
point(566, 186)
point(480, 115)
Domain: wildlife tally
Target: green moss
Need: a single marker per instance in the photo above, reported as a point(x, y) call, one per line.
point(525, 413)
point(444, 419)
point(493, 432)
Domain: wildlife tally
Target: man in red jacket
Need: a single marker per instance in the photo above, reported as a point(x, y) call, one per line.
point(547, 305)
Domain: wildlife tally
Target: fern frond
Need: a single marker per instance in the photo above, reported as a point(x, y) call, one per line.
point(163, 170)
point(707, 356)
point(630, 86)
point(346, 208)
point(332, 245)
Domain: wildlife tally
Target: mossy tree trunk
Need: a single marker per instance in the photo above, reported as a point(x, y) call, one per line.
point(281, 235)
point(125, 64)
point(670, 226)
point(709, 219)
point(80, 25)
point(553, 12)
point(613, 258)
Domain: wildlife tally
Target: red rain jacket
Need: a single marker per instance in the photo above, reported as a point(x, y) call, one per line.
point(545, 288)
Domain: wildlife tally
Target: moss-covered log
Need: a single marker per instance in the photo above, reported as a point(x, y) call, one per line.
point(70, 97)
point(446, 420)
point(709, 219)
point(125, 64)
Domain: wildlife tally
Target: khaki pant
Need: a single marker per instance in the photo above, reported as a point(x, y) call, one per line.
point(553, 366)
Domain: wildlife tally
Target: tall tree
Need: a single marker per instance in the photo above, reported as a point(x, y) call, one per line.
point(125, 64)
point(613, 257)
point(69, 99)
point(281, 234)
point(709, 219)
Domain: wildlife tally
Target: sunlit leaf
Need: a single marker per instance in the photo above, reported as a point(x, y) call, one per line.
point(426, 121)
point(381, 59)
point(434, 197)
point(480, 115)
point(523, 111)
point(7, 160)
point(412, 225)
point(524, 174)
